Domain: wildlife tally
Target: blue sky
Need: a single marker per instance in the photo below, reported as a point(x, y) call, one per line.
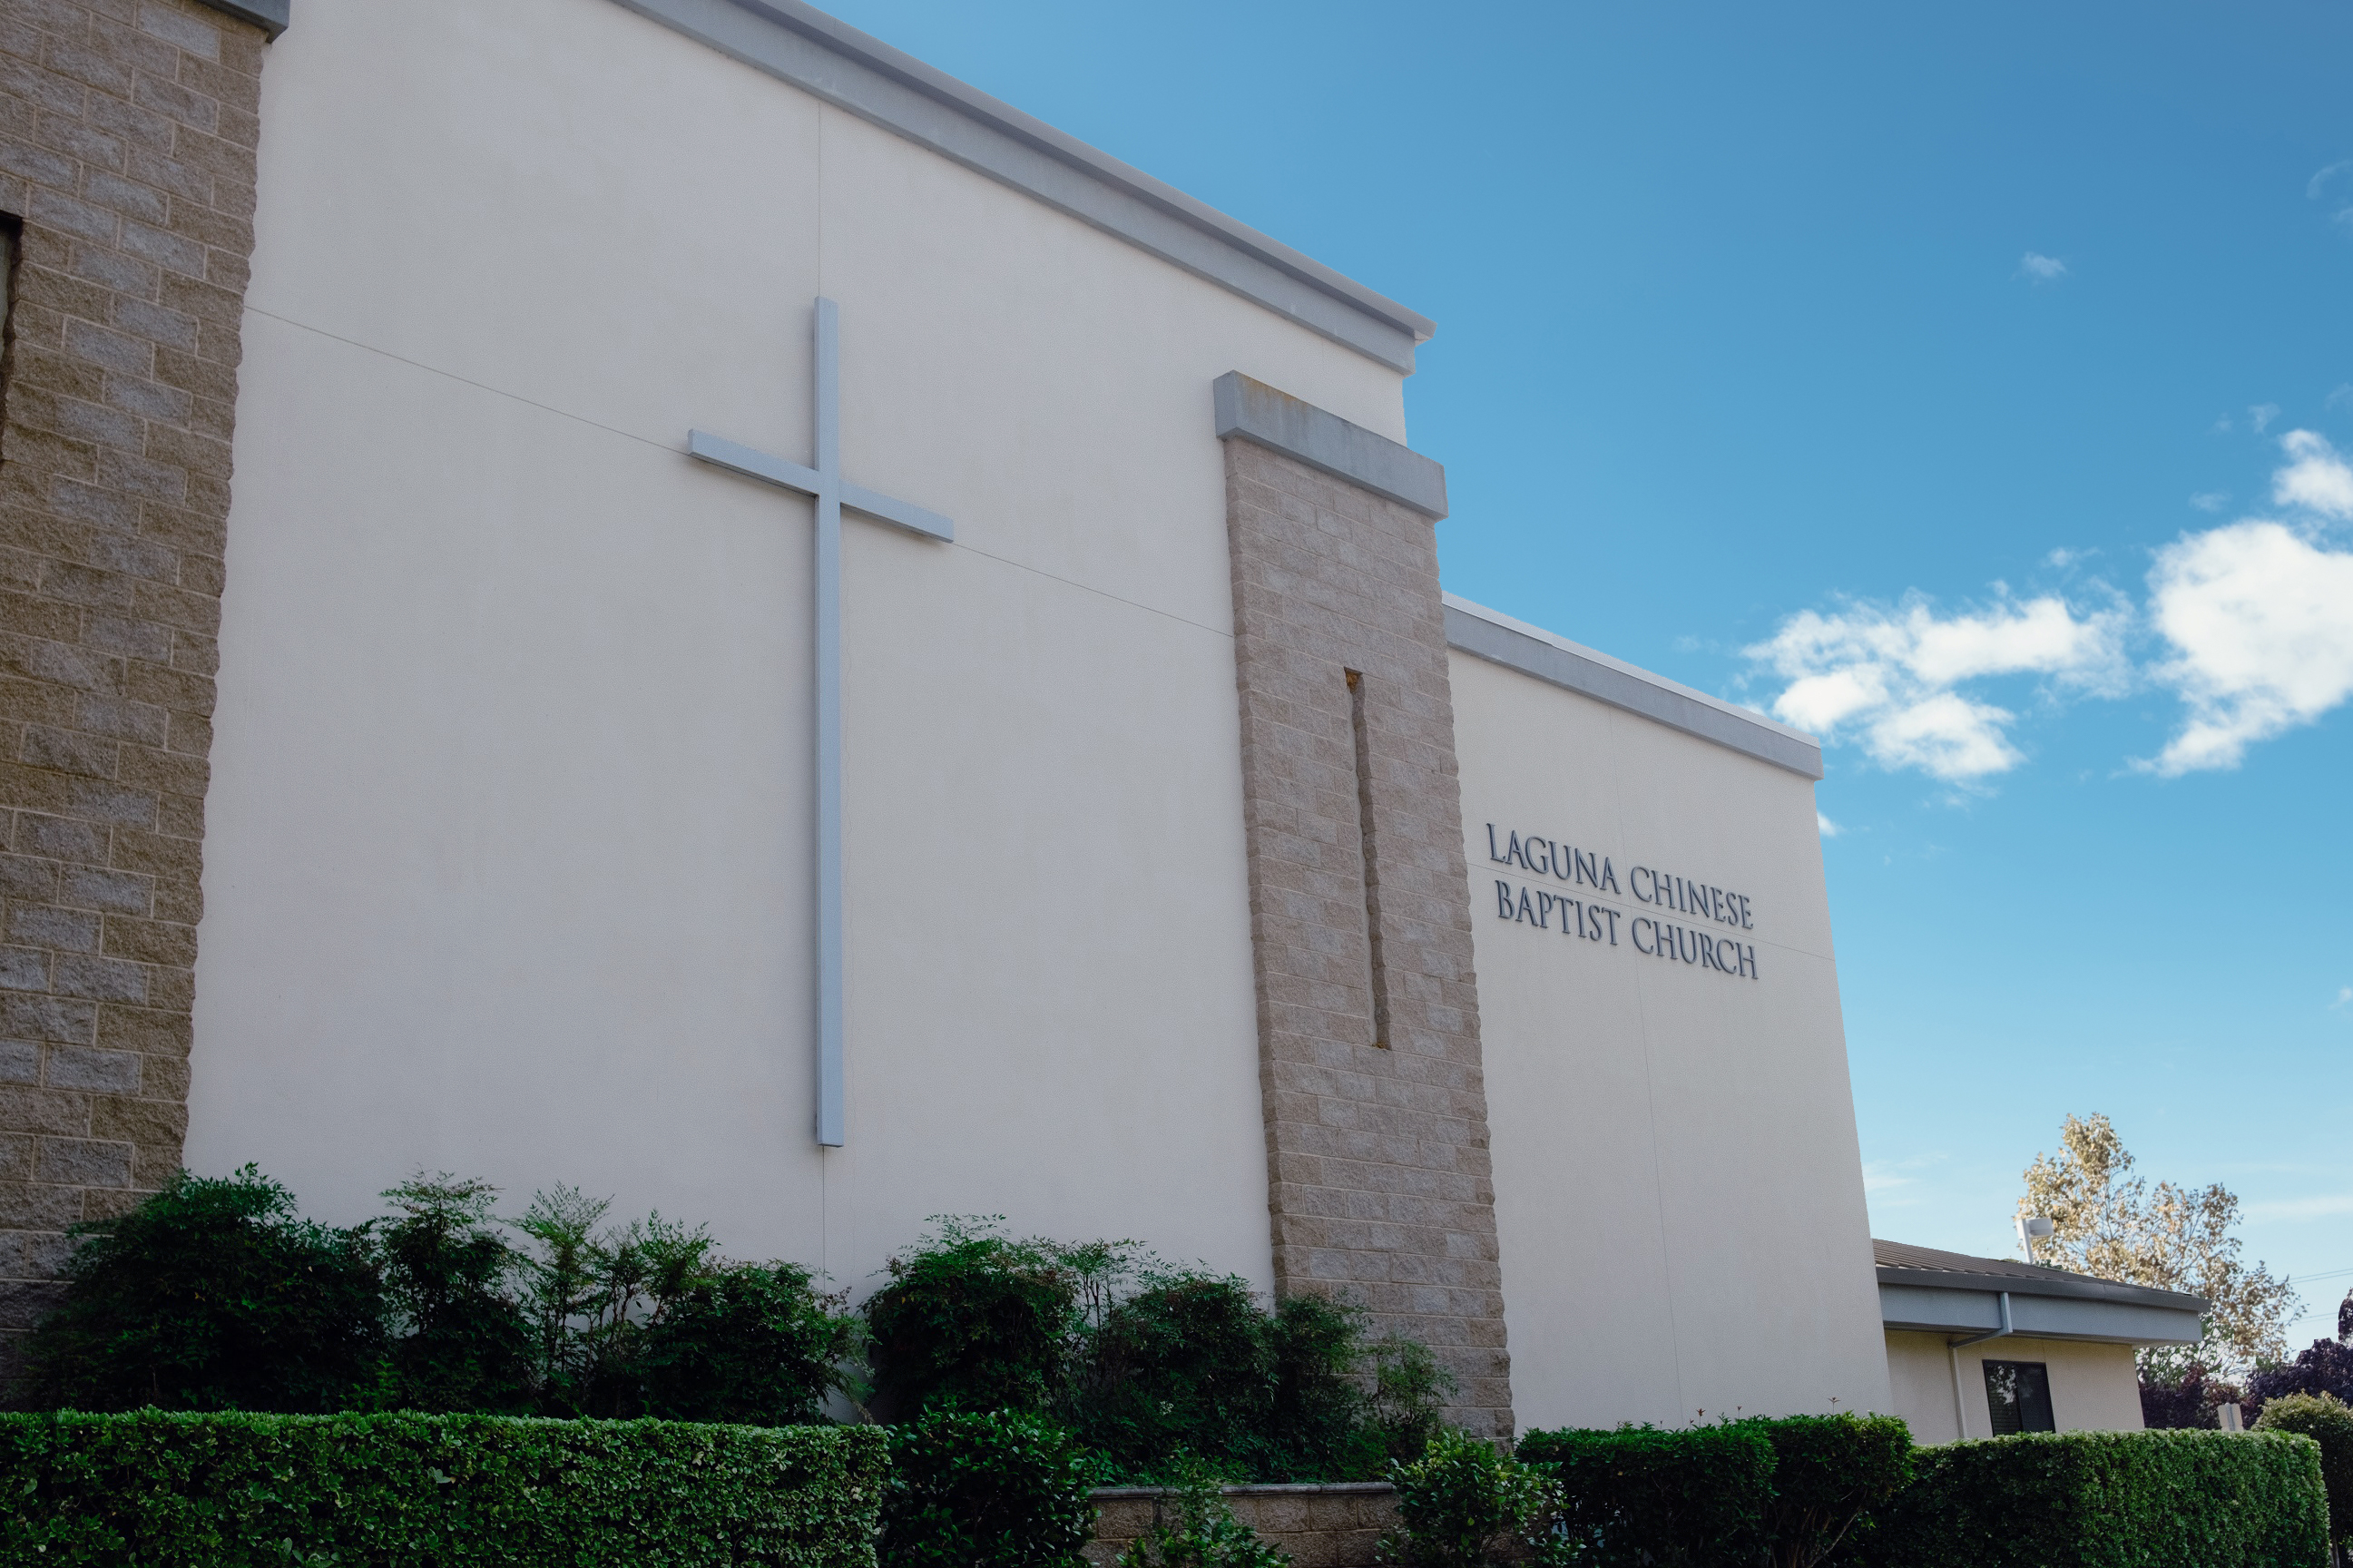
point(1968, 383)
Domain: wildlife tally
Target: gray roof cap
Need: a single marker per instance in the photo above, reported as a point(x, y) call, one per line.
point(796, 42)
point(1927, 1267)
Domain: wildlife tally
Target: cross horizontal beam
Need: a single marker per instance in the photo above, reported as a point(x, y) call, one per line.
point(735, 457)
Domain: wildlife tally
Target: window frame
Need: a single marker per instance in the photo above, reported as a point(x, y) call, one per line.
point(2028, 1394)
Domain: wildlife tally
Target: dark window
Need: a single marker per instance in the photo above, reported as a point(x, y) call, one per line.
point(2018, 1394)
point(12, 231)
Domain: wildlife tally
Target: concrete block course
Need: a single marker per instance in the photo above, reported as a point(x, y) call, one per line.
point(1320, 1526)
point(1370, 1078)
point(127, 136)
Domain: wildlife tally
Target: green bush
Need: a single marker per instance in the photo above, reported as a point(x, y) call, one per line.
point(1690, 1498)
point(212, 1295)
point(228, 1490)
point(997, 1489)
point(1204, 1534)
point(1465, 1504)
point(1191, 1364)
point(1143, 1363)
point(2094, 1500)
point(1828, 1471)
point(2327, 1420)
point(748, 1342)
point(459, 1341)
point(971, 1320)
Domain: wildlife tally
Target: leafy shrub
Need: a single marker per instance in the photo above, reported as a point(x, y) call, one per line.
point(233, 1490)
point(1204, 1533)
point(647, 1319)
point(2326, 1368)
point(748, 1342)
point(973, 1320)
point(2091, 1500)
point(1465, 1504)
point(2324, 1418)
point(2191, 1399)
point(1828, 1471)
point(985, 1491)
point(212, 1295)
point(1675, 1498)
point(1191, 1364)
point(1183, 1363)
point(459, 1340)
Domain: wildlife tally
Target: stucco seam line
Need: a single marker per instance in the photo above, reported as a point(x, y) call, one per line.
point(867, 77)
point(1252, 411)
point(272, 17)
point(1637, 691)
point(964, 545)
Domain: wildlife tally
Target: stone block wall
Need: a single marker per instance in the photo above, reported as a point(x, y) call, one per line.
point(127, 141)
point(1379, 1179)
point(1320, 1526)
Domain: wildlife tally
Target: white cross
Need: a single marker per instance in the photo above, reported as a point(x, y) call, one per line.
point(825, 485)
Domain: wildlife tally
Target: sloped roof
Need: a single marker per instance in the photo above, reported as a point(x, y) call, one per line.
point(1902, 1264)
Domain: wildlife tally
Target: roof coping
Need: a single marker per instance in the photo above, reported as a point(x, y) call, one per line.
point(1492, 635)
point(852, 71)
point(1925, 1267)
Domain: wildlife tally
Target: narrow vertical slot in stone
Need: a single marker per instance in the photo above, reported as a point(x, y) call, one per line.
point(1380, 977)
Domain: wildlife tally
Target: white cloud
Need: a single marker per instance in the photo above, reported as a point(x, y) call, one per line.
point(1829, 829)
point(2342, 395)
point(2210, 500)
point(2261, 415)
point(2324, 1205)
point(2256, 617)
point(2064, 557)
point(1879, 1177)
point(2318, 189)
point(2041, 269)
point(1890, 675)
point(2261, 622)
point(2316, 478)
point(2344, 992)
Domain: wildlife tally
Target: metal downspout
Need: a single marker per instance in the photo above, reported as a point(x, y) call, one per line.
point(1954, 1348)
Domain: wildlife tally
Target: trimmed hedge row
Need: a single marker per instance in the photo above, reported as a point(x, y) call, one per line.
point(229, 1489)
point(2109, 1500)
point(1644, 1494)
point(1788, 1490)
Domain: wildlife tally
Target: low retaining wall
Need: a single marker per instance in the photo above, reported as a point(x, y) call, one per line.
point(1320, 1526)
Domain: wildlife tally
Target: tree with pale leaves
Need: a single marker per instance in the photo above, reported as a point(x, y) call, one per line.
point(2112, 1225)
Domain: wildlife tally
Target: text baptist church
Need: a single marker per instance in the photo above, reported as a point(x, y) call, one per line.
point(1591, 919)
point(581, 576)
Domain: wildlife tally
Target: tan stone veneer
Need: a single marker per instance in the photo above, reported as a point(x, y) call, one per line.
point(1380, 1182)
point(127, 135)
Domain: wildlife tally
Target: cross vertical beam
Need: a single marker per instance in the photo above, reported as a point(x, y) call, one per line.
point(825, 486)
point(832, 1100)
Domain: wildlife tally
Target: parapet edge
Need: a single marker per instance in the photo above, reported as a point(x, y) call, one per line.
point(798, 43)
point(1498, 638)
point(1252, 411)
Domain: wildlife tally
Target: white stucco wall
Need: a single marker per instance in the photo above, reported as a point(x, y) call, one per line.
point(2094, 1388)
point(507, 867)
point(1678, 1187)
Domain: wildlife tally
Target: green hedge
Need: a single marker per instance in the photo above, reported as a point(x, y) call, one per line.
point(2109, 1500)
point(994, 1489)
point(2324, 1418)
point(162, 1488)
point(1678, 1498)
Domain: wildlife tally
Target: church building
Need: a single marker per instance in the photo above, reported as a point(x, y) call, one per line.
point(655, 594)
